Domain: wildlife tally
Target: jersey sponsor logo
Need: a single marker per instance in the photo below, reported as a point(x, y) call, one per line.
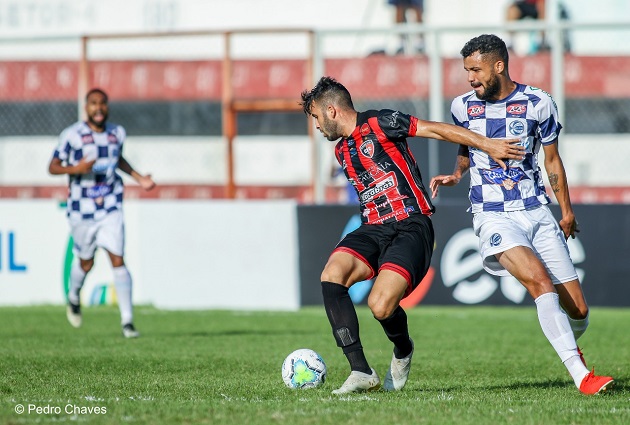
point(367, 148)
point(516, 109)
point(373, 172)
point(98, 191)
point(365, 129)
point(508, 179)
point(495, 239)
point(476, 110)
point(393, 119)
point(516, 128)
point(380, 187)
point(86, 139)
point(111, 138)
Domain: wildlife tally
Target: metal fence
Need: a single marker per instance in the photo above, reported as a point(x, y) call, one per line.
point(169, 91)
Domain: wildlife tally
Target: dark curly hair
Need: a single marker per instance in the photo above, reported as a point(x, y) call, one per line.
point(97, 90)
point(486, 44)
point(326, 91)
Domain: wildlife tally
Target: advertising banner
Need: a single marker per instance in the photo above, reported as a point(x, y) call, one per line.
point(600, 254)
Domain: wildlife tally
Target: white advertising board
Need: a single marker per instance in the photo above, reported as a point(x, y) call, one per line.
point(181, 254)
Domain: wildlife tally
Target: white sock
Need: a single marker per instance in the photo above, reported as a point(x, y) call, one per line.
point(579, 326)
point(122, 280)
point(555, 325)
point(77, 278)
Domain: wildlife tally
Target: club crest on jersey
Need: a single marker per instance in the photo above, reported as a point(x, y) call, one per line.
point(367, 148)
point(365, 129)
point(476, 110)
point(516, 128)
point(508, 179)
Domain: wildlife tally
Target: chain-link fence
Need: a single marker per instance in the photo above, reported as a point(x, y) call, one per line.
point(169, 91)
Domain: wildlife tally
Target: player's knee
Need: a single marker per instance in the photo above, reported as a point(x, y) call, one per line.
point(381, 308)
point(333, 272)
point(578, 312)
point(86, 265)
point(327, 275)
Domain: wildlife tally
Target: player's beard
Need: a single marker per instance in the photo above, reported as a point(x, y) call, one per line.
point(330, 129)
point(491, 89)
point(100, 123)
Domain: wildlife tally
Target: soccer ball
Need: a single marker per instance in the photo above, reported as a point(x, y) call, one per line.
point(303, 368)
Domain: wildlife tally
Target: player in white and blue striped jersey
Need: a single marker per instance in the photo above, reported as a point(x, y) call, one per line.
point(517, 232)
point(90, 152)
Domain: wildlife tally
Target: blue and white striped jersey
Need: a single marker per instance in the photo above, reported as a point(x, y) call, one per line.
point(528, 113)
point(92, 195)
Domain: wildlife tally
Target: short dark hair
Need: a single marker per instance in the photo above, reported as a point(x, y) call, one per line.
point(327, 90)
point(97, 90)
point(486, 44)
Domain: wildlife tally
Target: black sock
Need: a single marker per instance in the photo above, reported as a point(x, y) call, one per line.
point(345, 324)
point(396, 329)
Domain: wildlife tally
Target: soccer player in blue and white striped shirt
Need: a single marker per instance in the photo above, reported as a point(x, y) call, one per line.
point(517, 233)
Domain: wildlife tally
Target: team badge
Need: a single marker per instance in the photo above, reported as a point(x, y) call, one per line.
point(367, 148)
point(365, 129)
point(495, 240)
point(517, 128)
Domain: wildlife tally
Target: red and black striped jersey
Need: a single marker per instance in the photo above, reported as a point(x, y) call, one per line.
point(377, 161)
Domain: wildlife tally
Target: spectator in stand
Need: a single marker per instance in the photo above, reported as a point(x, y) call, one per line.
point(534, 9)
point(416, 7)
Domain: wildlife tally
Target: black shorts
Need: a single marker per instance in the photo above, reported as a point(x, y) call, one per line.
point(404, 247)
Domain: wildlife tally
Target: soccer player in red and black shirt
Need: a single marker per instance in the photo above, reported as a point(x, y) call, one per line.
point(395, 240)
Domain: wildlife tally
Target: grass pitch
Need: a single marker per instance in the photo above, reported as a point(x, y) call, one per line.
point(473, 365)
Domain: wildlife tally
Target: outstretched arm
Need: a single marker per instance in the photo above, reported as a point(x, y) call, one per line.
point(56, 167)
point(461, 168)
point(558, 181)
point(145, 181)
point(498, 149)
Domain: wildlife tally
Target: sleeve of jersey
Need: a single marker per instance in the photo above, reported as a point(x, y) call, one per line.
point(397, 125)
point(62, 151)
point(547, 114)
point(458, 113)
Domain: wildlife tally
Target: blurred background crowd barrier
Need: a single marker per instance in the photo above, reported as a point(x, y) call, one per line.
point(215, 113)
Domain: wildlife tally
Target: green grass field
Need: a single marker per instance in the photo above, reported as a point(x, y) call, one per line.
point(472, 365)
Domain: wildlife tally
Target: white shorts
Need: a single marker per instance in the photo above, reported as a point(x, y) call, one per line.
point(107, 233)
point(536, 229)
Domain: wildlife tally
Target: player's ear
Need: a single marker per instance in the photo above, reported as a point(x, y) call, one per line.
point(499, 66)
point(331, 111)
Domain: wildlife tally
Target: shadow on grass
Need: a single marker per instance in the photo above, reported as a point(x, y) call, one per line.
point(618, 386)
point(233, 332)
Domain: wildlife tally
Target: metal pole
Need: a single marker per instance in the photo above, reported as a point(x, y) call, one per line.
point(318, 72)
point(552, 18)
point(436, 96)
point(84, 77)
point(228, 117)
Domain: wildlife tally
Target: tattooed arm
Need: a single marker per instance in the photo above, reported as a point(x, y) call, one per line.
point(558, 182)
